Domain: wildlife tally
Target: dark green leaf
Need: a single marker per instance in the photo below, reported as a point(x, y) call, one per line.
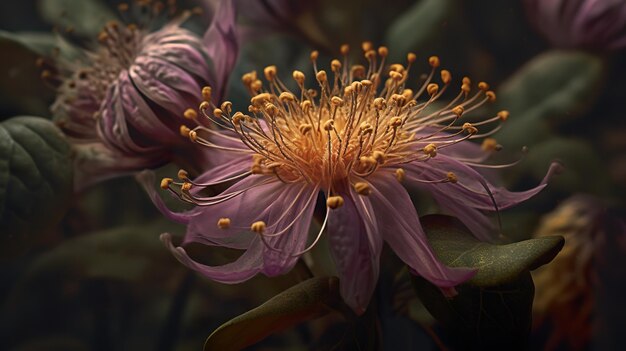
point(310, 299)
point(127, 253)
point(21, 88)
point(39, 43)
point(553, 87)
point(493, 309)
point(497, 264)
point(35, 180)
point(84, 17)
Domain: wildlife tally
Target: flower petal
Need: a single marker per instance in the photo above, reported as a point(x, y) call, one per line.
point(290, 222)
point(285, 208)
point(355, 245)
point(469, 196)
point(471, 188)
point(221, 42)
point(242, 269)
point(401, 229)
point(147, 180)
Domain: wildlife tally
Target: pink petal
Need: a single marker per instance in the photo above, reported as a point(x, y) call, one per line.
point(148, 181)
point(286, 209)
point(471, 187)
point(401, 229)
point(242, 269)
point(221, 43)
point(355, 244)
point(290, 214)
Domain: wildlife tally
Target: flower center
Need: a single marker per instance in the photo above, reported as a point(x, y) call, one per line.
point(353, 124)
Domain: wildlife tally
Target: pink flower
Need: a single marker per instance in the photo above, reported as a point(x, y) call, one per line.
point(596, 24)
point(358, 144)
point(122, 103)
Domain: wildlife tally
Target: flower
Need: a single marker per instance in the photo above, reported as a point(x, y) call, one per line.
point(596, 24)
point(584, 276)
point(357, 144)
point(121, 103)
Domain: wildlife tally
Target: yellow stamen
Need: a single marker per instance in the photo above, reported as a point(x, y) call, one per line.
point(258, 227)
point(430, 150)
point(334, 202)
point(206, 93)
point(165, 183)
point(190, 114)
point(223, 223)
point(400, 174)
point(362, 188)
point(452, 178)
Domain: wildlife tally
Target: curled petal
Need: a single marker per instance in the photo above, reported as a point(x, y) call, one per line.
point(242, 269)
point(471, 187)
point(165, 84)
point(147, 180)
point(401, 229)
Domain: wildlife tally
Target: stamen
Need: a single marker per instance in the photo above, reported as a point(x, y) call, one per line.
point(258, 227)
point(400, 174)
point(190, 114)
point(166, 182)
point(362, 188)
point(183, 175)
point(223, 223)
point(334, 202)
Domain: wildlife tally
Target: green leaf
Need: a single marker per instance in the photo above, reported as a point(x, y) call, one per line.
point(552, 88)
point(39, 43)
point(21, 88)
point(420, 27)
point(128, 253)
point(85, 17)
point(497, 264)
point(310, 299)
point(493, 309)
point(35, 180)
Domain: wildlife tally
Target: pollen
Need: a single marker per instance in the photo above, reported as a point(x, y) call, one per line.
point(183, 175)
point(334, 202)
point(430, 150)
point(400, 174)
point(490, 144)
point(503, 115)
point(258, 227)
point(184, 131)
point(451, 177)
point(166, 182)
point(190, 114)
point(206, 94)
point(362, 188)
point(223, 223)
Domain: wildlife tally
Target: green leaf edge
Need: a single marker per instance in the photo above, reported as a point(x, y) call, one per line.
point(319, 295)
point(546, 249)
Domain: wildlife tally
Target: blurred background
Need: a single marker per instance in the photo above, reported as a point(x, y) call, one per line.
point(101, 280)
